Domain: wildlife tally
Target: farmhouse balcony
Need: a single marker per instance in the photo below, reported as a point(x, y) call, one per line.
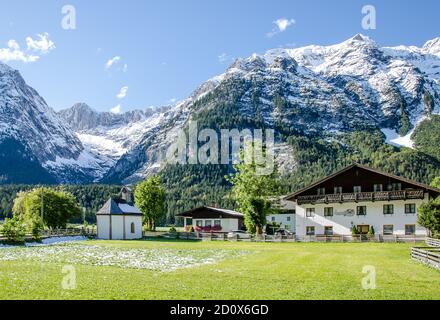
point(362, 197)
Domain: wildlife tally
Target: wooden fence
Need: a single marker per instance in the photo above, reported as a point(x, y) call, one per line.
point(433, 242)
point(69, 232)
point(219, 236)
point(427, 255)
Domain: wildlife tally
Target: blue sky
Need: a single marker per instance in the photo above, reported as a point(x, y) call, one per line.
point(167, 48)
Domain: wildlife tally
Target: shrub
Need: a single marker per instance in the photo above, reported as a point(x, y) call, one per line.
point(354, 231)
point(371, 232)
point(429, 216)
point(14, 230)
point(173, 230)
point(36, 229)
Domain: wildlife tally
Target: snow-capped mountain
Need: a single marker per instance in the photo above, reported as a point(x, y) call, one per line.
point(47, 144)
point(111, 135)
point(349, 86)
point(314, 90)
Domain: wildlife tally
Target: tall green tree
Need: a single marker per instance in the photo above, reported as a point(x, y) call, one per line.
point(429, 216)
point(436, 183)
point(149, 196)
point(252, 191)
point(46, 207)
point(429, 213)
point(405, 122)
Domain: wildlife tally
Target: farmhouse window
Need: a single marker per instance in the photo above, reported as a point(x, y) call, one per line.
point(388, 209)
point(321, 191)
point(217, 223)
point(288, 219)
point(410, 229)
point(338, 190)
point(208, 223)
point(361, 210)
point(328, 212)
point(357, 189)
point(388, 230)
point(133, 228)
point(199, 223)
point(310, 212)
point(410, 208)
point(273, 219)
point(378, 187)
point(310, 231)
point(395, 187)
point(328, 231)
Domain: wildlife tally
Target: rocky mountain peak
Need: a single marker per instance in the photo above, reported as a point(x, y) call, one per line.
point(433, 46)
point(361, 37)
point(4, 68)
point(311, 90)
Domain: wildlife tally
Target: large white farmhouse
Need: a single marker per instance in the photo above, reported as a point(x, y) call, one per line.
point(285, 216)
point(363, 198)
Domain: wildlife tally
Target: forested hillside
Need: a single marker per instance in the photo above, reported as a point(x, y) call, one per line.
point(191, 186)
point(91, 197)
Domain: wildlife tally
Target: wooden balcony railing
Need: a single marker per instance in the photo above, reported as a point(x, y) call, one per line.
point(362, 197)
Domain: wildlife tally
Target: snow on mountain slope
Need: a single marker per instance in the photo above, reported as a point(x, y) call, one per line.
point(26, 118)
point(354, 85)
point(109, 135)
point(349, 86)
point(383, 73)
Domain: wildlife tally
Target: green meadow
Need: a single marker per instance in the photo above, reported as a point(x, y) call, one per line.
point(213, 270)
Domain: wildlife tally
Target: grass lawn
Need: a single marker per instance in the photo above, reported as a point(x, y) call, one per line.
point(215, 270)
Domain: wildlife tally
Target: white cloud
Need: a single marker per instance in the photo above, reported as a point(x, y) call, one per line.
point(13, 53)
point(281, 26)
point(13, 45)
point(35, 48)
point(122, 93)
point(172, 100)
point(125, 68)
point(224, 58)
point(42, 45)
point(112, 61)
point(116, 110)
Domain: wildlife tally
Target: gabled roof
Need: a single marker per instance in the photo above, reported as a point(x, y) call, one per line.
point(357, 165)
point(128, 209)
point(225, 213)
point(127, 188)
point(112, 207)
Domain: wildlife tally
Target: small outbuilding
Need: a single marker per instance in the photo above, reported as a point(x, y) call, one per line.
point(119, 220)
point(209, 219)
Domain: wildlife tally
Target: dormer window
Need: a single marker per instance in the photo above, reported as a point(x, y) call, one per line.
point(395, 187)
point(378, 187)
point(321, 191)
point(338, 190)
